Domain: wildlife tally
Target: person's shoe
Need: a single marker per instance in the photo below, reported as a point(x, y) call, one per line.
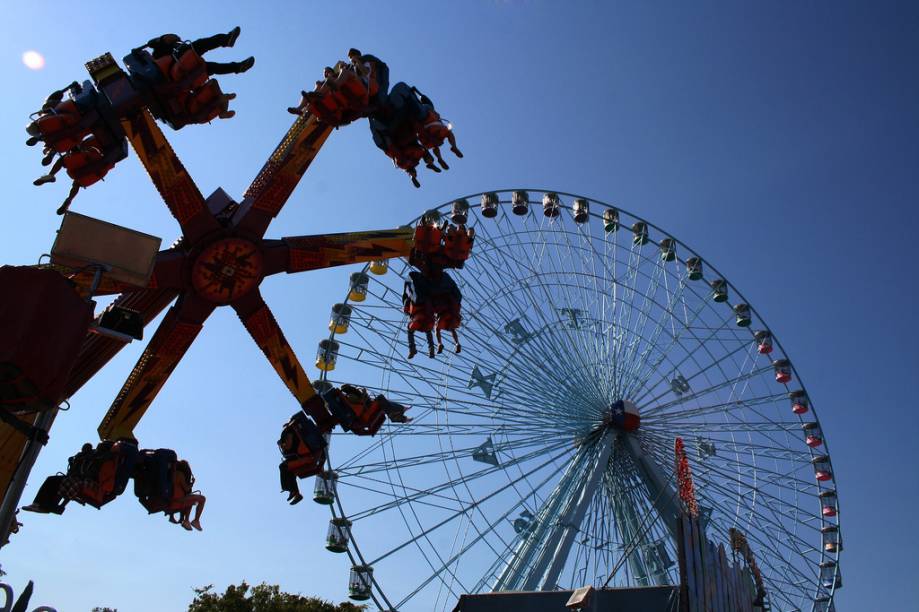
point(245, 65)
point(197, 525)
point(294, 110)
point(226, 114)
point(444, 165)
point(229, 96)
point(36, 508)
point(415, 182)
point(46, 178)
point(31, 142)
point(296, 500)
point(232, 35)
point(186, 525)
point(456, 151)
point(291, 495)
point(48, 158)
point(412, 352)
point(430, 166)
point(440, 349)
point(458, 348)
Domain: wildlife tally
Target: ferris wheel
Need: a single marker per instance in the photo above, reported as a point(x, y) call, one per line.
point(540, 455)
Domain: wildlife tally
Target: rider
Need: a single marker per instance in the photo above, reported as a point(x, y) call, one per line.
point(167, 44)
point(328, 74)
point(369, 66)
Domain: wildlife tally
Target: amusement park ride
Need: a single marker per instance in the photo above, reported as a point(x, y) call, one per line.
point(546, 442)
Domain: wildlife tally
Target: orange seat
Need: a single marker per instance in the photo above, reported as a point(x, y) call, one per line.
point(458, 243)
point(427, 238)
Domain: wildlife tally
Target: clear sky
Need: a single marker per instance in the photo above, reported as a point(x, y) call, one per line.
point(780, 140)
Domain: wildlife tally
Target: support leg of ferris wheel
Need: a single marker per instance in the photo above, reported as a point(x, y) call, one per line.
point(540, 557)
point(645, 556)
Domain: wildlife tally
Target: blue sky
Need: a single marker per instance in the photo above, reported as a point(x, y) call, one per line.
point(781, 141)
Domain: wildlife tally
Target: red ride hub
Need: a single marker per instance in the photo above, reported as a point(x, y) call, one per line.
point(227, 270)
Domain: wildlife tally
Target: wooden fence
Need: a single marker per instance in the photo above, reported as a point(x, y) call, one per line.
point(709, 581)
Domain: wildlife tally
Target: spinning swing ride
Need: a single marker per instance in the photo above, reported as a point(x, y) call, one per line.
point(538, 452)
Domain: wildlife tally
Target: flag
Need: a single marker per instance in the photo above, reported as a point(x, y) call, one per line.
point(624, 415)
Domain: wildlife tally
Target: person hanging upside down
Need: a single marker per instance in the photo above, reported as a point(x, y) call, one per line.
point(303, 448)
point(168, 44)
point(184, 499)
point(432, 130)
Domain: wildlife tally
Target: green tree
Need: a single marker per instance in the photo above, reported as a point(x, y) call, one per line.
point(262, 598)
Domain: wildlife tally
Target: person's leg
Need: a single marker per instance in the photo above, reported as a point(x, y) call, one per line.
point(440, 342)
point(217, 68)
point(50, 178)
point(69, 200)
point(440, 159)
point(288, 481)
point(199, 499)
point(456, 340)
point(452, 140)
point(203, 45)
point(412, 349)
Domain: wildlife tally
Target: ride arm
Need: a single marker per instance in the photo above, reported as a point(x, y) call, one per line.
point(169, 344)
point(172, 180)
point(302, 253)
point(280, 175)
point(257, 318)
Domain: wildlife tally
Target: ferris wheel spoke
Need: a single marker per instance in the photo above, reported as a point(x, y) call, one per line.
point(490, 527)
point(469, 507)
point(566, 347)
point(682, 383)
point(406, 496)
point(723, 384)
point(438, 457)
point(667, 315)
point(660, 417)
point(534, 341)
point(778, 515)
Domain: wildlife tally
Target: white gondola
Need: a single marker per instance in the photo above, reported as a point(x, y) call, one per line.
point(668, 249)
point(325, 488)
point(459, 212)
point(580, 210)
point(610, 220)
point(339, 535)
point(520, 202)
point(742, 315)
point(694, 268)
point(551, 205)
point(489, 205)
point(360, 582)
point(640, 233)
point(719, 290)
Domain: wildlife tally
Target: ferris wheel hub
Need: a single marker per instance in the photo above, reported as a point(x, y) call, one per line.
point(623, 415)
